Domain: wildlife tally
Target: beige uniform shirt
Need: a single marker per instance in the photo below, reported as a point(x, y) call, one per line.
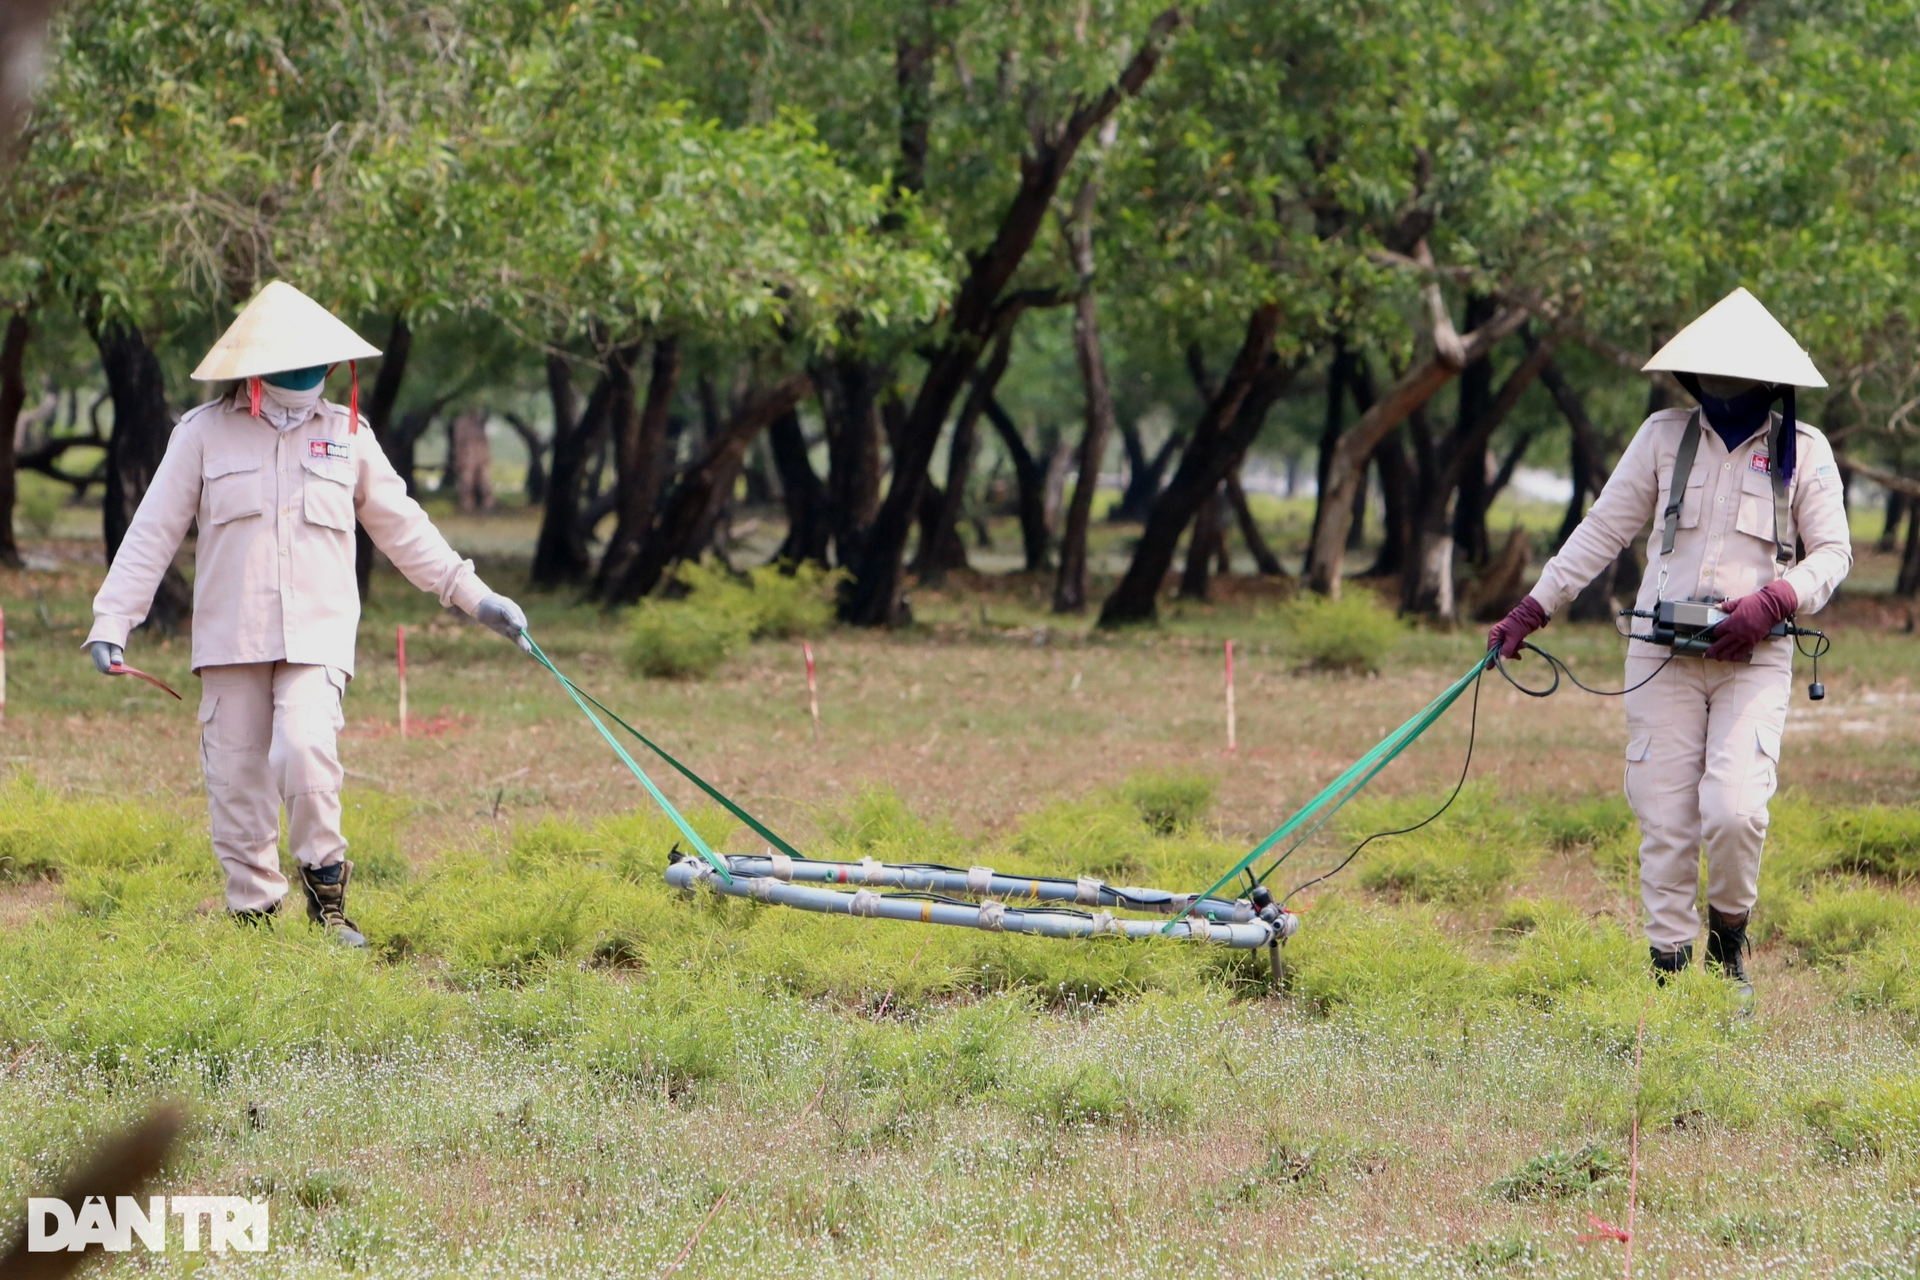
point(273, 570)
point(1724, 546)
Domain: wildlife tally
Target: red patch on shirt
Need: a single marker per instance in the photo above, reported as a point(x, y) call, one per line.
point(316, 448)
point(1758, 461)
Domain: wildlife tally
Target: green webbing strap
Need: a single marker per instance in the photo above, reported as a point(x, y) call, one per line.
point(754, 824)
point(1357, 775)
point(666, 805)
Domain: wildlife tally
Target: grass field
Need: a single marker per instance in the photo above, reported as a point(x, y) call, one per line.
point(548, 1063)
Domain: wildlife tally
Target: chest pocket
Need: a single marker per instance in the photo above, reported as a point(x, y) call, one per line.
point(327, 494)
point(1696, 493)
point(231, 490)
point(1755, 517)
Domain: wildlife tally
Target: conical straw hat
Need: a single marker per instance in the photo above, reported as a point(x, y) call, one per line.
point(281, 329)
point(1738, 338)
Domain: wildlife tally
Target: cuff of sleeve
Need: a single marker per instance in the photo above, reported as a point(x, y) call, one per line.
point(467, 591)
point(1546, 610)
point(110, 629)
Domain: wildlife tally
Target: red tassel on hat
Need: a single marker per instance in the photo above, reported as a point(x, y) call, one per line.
point(253, 396)
point(353, 398)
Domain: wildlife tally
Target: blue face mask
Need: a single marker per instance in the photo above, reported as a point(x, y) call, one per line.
point(1735, 420)
point(298, 379)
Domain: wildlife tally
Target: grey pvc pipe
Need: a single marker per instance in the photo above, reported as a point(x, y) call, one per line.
point(990, 916)
point(983, 882)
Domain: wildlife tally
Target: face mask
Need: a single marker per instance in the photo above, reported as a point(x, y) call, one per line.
point(284, 407)
point(1735, 418)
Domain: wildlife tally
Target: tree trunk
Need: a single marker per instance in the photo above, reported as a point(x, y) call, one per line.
point(1464, 471)
point(13, 397)
point(470, 461)
point(1030, 483)
point(1908, 584)
point(640, 444)
point(1143, 481)
point(849, 406)
point(941, 536)
point(1263, 557)
point(379, 411)
point(1204, 546)
point(1889, 531)
point(1471, 412)
point(560, 554)
point(536, 487)
point(979, 311)
point(141, 428)
point(1399, 501)
point(1228, 424)
point(1339, 372)
point(1070, 588)
point(809, 526)
point(1347, 469)
point(703, 485)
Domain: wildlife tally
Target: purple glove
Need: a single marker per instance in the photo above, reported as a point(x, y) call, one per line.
point(1508, 633)
point(1749, 619)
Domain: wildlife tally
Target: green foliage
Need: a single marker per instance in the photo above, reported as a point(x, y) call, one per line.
point(1880, 1120)
point(1172, 801)
point(1838, 921)
point(372, 822)
point(107, 854)
point(37, 503)
point(1876, 840)
point(679, 640)
point(773, 602)
point(1559, 1174)
point(1469, 854)
point(1585, 823)
point(722, 611)
point(1353, 957)
point(1352, 634)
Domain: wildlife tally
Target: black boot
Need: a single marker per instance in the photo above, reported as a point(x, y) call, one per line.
point(1727, 949)
point(1668, 962)
point(327, 901)
point(256, 915)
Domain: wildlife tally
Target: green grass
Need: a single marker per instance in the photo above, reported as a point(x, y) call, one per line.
point(549, 1063)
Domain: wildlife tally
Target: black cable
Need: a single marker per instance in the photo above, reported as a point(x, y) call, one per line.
point(1559, 668)
point(1473, 728)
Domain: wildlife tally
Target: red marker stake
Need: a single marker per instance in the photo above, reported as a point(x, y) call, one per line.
point(400, 648)
point(122, 669)
point(813, 690)
point(1233, 743)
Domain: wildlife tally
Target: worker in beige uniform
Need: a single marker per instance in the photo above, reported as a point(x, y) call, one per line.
point(275, 476)
point(1756, 524)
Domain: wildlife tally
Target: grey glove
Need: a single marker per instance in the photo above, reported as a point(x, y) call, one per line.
point(501, 614)
point(106, 656)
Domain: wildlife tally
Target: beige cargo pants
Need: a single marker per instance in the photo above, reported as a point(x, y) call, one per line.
point(1703, 755)
point(267, 736)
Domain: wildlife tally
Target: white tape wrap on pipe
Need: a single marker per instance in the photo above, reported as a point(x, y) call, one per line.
point(993, 915)
point(872, 870)
point(783, 867)
point(865, 903)
point(979, 881)
point(1086, 891)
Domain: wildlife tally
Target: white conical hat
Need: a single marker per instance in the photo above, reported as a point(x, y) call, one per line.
point(1738, 338)
point(281, 329)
